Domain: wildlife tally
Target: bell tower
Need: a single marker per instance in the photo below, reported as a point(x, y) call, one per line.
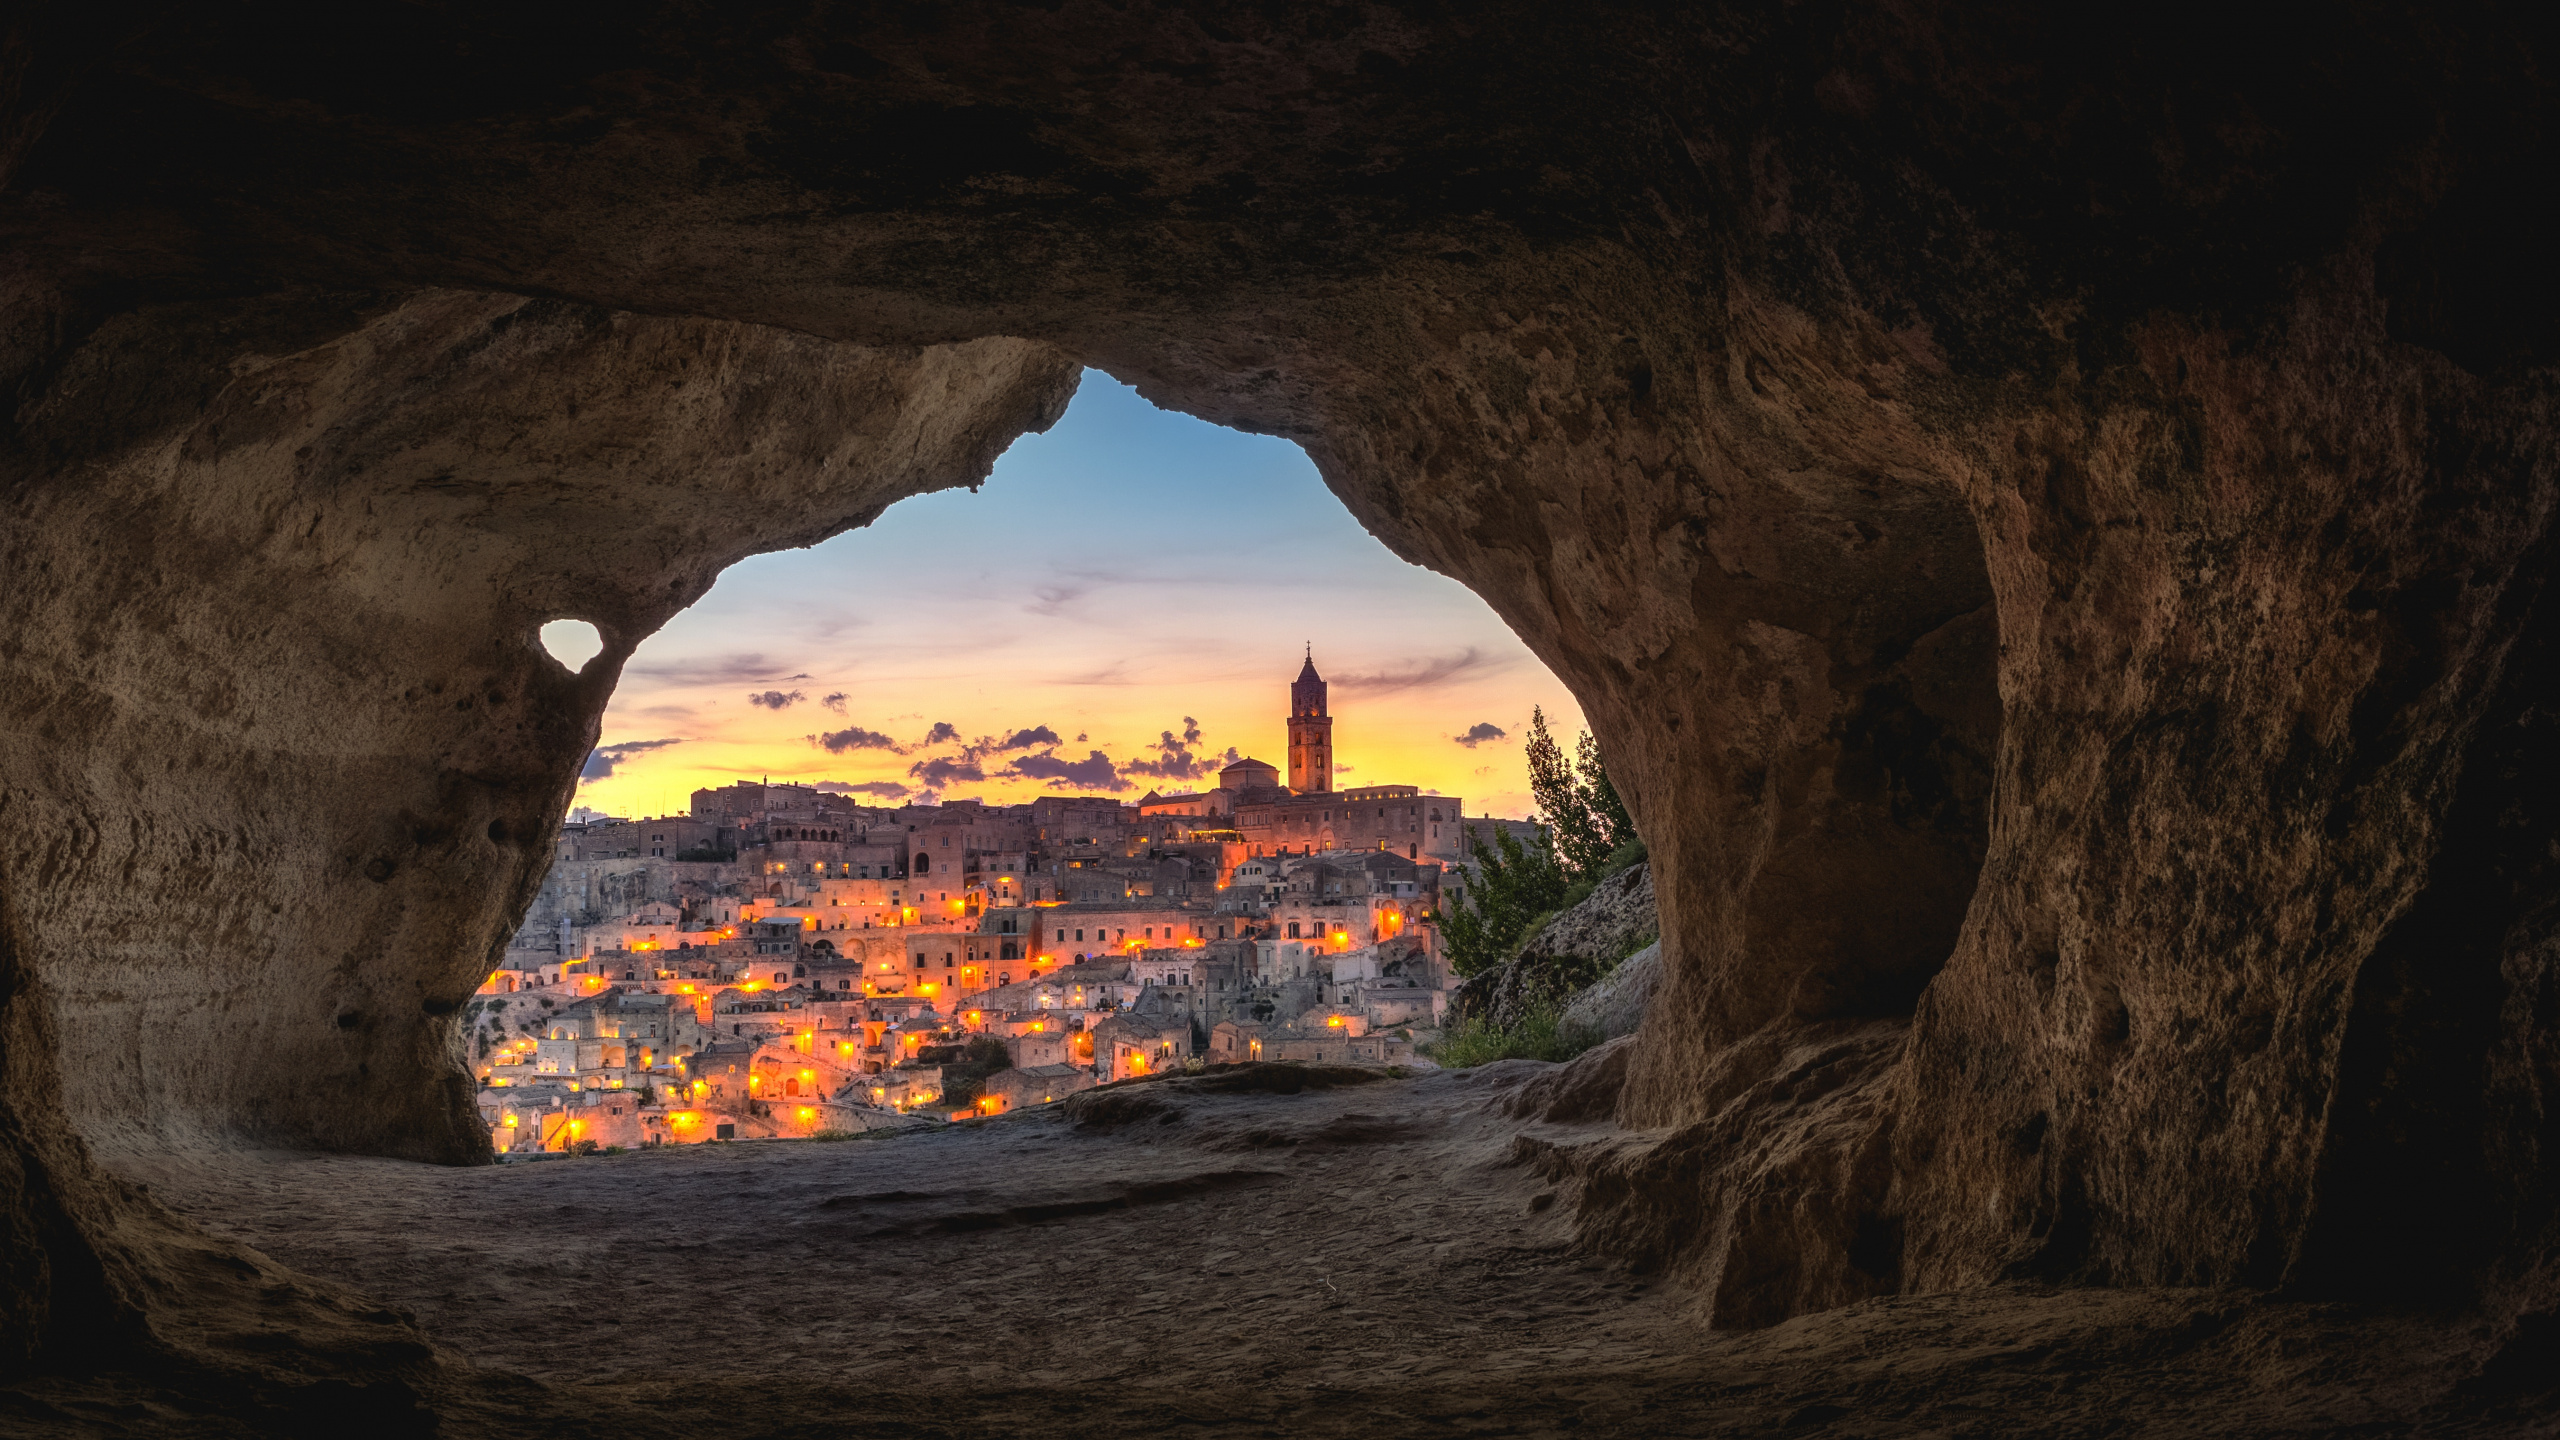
point(1310, 732)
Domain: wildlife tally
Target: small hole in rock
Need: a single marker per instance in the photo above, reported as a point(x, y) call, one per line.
point(573, 643)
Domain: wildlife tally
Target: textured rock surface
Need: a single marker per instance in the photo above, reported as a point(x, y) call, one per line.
point(2046, 511)
point(1617, 918)
point(1615, 1004)
point(1570, 950)
point(282, 752)
point(1198, 1259)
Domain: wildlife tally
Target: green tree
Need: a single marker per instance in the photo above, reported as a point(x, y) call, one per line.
point(1575, 797)
point(1513, 884)
point(1608, 812)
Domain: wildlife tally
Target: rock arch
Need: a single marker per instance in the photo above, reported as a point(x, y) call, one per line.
point(2051, 525)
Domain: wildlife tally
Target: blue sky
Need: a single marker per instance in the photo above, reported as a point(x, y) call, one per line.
point(1135, 577)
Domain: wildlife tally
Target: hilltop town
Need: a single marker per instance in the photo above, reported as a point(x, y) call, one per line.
point(781, 961)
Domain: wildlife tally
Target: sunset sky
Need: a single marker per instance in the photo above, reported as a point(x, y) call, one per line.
point(1123, 603)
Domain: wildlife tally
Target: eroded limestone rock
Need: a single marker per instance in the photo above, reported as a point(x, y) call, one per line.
point(1615, 1004)
point(2047, 518)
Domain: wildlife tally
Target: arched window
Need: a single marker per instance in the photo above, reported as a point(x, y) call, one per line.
point(924, 863)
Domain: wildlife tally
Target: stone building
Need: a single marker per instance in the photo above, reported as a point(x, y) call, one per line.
point(1310, 732)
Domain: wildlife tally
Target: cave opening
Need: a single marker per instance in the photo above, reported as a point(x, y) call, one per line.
point(1103, 621)
point(1739, 363)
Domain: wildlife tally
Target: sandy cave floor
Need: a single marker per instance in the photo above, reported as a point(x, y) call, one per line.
point(1365, 1260)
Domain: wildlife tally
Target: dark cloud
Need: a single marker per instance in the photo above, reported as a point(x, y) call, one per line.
point(1094, 772)
point(1175, 759)
point(1341, 769)
point(1080, 737)
point(942, 730)
point(885, 789)
point(940, 773)
point(834, 702)
point(1478, 734)
point(1431, 672)
point(776, 699)
point(1025, 739)
point(602, 759)
point(854, 737)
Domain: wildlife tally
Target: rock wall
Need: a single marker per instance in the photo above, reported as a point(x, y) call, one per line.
point(284, 757)
point(2046, 513)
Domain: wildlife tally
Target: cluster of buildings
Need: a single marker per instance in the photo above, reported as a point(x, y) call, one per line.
point(781, 961)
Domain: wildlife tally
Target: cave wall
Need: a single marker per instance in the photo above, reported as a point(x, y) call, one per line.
point(2046, 515)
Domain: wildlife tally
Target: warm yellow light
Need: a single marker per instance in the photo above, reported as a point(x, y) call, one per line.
point(1334, 1021)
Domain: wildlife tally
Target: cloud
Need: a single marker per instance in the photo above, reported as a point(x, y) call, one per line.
point(854, 737)
point(1054, 597)
point(885, 789)
point(942, 730)
point(1431, 672)
point(776, 699)
point(1341, 769)
point(1483, 771)
point(602, 759)
point(1079, 737)
point(1025, 739)
point(1175, 760)
point(938, 773)
point(725, 670)
point(834, 702)
point(1094, 772)
point(1478, 734)
point(1116, 673)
